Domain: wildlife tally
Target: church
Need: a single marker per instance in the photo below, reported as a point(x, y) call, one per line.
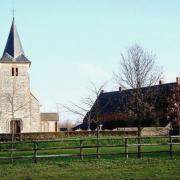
point(19, 108)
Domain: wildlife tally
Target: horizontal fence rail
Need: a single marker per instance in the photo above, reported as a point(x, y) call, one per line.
point(77, 147)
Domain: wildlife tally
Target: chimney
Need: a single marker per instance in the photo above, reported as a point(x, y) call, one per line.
point(161, 82)
point(102, 91)
point(120, 89)
point(178, 80)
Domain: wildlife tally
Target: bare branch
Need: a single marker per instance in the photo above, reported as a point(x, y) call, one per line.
point(137, 71)
point(84, 109)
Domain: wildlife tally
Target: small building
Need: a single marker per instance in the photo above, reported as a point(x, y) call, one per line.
point(49, 122)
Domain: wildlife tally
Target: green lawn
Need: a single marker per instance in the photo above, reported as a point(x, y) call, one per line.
point(151, 166)
point(145, 169)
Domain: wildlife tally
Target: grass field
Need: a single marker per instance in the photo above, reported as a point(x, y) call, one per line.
point(144, 169)
point(151, 166)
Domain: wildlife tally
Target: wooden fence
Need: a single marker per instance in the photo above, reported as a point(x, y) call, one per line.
point(33, 149)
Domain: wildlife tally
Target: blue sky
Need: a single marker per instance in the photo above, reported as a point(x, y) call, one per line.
point(72, 42)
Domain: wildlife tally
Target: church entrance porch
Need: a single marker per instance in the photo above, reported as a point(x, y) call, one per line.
point(16, 126)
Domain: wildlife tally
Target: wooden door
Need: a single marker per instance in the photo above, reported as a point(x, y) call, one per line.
point(15, 126)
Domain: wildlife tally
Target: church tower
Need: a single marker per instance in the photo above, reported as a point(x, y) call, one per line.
point(19, 109)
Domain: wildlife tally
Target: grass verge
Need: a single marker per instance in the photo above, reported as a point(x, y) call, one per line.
point(94, 169)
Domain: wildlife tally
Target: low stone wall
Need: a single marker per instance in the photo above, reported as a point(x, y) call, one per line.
point(32, 136)
point(103, 133)
point(155, 131)
point(59, 135)
point(148, 131)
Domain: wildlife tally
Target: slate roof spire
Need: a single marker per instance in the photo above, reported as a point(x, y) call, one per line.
point(13, 51)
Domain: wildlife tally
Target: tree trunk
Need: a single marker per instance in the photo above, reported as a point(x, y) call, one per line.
point(139, 142)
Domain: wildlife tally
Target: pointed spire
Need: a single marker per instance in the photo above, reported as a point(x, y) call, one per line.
point(13, 45)
point(13, 50)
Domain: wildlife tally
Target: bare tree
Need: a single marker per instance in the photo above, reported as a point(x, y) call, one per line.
point(15, 107)
point(138, 69)
point(89, 108)
point(138, 72)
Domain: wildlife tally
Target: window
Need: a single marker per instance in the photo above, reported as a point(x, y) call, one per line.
point(14, 73)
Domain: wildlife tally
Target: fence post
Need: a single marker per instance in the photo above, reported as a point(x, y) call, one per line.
point(12, 149)
point(97, 149)
point(126, 148)
point(170, 146)
point(35, 152)
point(81, 149)
point(139, 147)
point(20, 135)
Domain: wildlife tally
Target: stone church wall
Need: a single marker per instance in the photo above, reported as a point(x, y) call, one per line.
point(35, 115)
point(20, 105)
